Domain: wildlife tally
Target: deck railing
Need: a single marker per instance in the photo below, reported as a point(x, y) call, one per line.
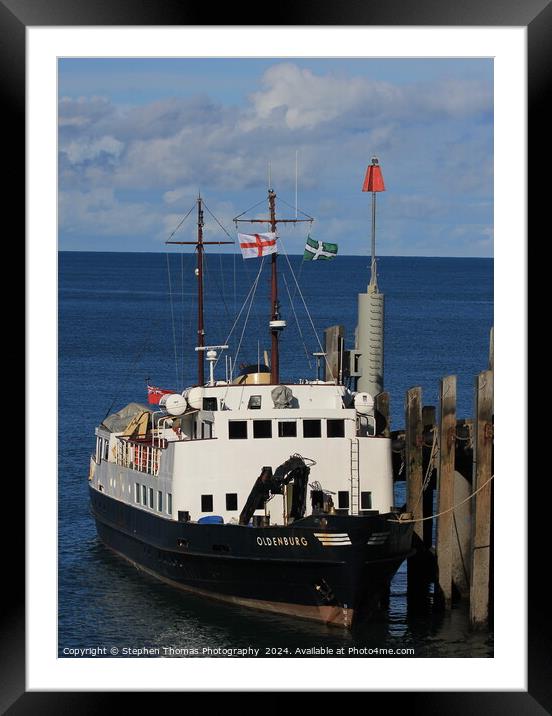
point(140, 456)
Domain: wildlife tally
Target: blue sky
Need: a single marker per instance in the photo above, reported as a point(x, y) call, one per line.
point(139, 137)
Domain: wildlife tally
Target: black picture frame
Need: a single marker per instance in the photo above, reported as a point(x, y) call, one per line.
point(536, 16)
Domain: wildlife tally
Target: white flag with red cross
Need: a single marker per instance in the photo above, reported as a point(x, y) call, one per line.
point(256, 245)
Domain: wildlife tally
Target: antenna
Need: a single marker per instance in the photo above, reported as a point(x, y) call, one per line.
point(269, 175)
point(211, 352)
point(296, 176)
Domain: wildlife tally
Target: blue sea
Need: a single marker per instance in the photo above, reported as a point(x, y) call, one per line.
point(130, 318)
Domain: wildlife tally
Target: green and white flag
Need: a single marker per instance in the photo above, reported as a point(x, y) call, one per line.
point(315, 250)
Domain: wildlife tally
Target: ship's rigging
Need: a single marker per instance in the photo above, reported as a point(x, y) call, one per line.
point(276, 323)
point(199, 244)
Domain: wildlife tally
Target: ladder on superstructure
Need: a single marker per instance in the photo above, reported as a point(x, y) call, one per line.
point(355, 477)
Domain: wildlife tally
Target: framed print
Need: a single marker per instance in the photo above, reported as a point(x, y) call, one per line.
point(105, 191)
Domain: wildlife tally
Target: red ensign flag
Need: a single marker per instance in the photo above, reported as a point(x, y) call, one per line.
point(155, 394)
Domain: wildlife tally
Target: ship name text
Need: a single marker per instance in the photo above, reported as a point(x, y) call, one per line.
point(282, 541)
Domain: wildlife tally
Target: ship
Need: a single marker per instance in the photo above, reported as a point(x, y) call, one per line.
point(260, 492)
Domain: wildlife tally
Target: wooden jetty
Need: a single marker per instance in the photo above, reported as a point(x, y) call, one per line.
point(447, 465)
point(448, 468)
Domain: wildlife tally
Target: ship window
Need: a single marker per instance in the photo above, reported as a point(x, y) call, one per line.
point(312, 428)
point(137, 492)
point(105, 449)
point(287, 429)
point(237, 429)
point(160, 501)
point(169, 503)
point(151, 497)
point(262, 428)
point(336, 429)
point(206, 503)
point(365, 500)
point(231, 501)
point(144, 495)
point(343, 500)
point(98, 449)
point(210, 403)
point(254, 402)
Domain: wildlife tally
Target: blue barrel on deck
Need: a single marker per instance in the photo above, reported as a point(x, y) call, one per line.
point(211, 520)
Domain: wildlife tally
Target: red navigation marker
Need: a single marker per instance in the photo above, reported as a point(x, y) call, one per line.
point(373, 181)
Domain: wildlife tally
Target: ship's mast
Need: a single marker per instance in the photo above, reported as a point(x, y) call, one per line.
point(200, 326)
point(276, 323)
point(199, 244)
point(274, 303)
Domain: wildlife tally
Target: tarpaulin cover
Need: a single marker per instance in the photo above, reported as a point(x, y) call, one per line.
point(118, 422)
point(282, 396)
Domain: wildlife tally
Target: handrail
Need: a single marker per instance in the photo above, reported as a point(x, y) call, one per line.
point(148, 441)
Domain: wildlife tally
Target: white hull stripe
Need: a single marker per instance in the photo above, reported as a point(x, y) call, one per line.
point(378, 538)
point(333, 540)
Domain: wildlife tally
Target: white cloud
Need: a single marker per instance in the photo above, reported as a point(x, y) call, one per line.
point(178, 195)
point(83, 111)
point(301, 99)
point(434, 139)
point(84, 149)
point(99, 211)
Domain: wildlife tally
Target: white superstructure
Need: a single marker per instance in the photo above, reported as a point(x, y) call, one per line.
point(206, 460)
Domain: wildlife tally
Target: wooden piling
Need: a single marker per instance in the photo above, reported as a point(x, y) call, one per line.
point(429, 425)
point(333, 349)
point(481, 514)
point(445, 486)
point(418, 566)
point(461, 536)
point(383, 422)
point(413, 456)
point(428, 417)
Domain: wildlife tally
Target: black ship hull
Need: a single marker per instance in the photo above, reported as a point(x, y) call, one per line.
point(329, 568)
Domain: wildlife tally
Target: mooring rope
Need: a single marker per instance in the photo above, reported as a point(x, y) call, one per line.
point(444, 512)
point(430, 467)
